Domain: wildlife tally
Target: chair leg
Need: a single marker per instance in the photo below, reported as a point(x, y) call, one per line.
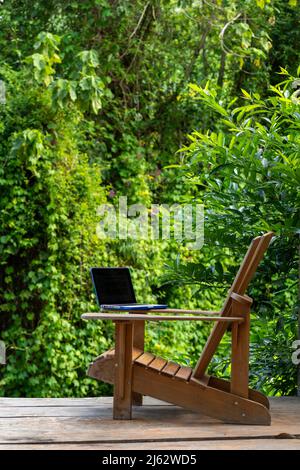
point(138, 342)
point(137, 399)
point(240, 351)
point(123, 370)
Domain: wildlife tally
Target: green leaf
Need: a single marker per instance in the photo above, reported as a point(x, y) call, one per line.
point(246, 94)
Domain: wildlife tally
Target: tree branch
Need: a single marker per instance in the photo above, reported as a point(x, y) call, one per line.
point(221, 69)
point(140, 21)
point(222, 33)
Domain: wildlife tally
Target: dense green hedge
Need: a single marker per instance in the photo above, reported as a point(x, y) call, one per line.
point(50, 194)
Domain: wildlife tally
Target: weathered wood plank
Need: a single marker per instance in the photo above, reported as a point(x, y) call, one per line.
point(56, 411)
point(282, 404)
point(224, 444)
point(84, 411)
point(68, 402)
point(156, 422)
point(72, 430)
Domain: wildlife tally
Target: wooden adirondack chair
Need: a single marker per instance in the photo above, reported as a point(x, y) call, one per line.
point(135, 372)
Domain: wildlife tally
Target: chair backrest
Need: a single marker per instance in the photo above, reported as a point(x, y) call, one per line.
point(249, 265)
point(244, 275)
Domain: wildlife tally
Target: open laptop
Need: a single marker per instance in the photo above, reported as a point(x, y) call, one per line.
point(114, 290)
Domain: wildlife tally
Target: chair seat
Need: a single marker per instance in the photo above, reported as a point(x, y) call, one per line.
point(161, 365)
point(103, 366)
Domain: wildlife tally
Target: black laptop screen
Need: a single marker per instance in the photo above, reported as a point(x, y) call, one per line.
point(113, 285)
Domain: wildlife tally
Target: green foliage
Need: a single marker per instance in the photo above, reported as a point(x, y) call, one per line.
point(49, 198)
point(84, 86)
point(50, 194)
point(97, 104)
point(246, 171)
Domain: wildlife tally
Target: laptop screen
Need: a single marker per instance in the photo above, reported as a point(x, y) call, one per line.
point(113, 286)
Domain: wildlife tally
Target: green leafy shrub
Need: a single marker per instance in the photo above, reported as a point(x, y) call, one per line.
point(48, 216)
point(246, 172)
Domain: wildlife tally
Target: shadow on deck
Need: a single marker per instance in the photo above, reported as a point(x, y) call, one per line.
point(86, 423)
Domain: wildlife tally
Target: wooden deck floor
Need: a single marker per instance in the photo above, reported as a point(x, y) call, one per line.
point(71, 423)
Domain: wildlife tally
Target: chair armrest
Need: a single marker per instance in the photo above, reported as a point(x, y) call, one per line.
point(178, 311)
point(143, 317)
point(242, 299)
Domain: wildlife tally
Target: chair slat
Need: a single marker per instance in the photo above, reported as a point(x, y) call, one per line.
point(243, 267)
point(253, 264)
point(158, 364)
point(170, 368)
point(184, 373)
point(136, 353)
point(145, 359)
